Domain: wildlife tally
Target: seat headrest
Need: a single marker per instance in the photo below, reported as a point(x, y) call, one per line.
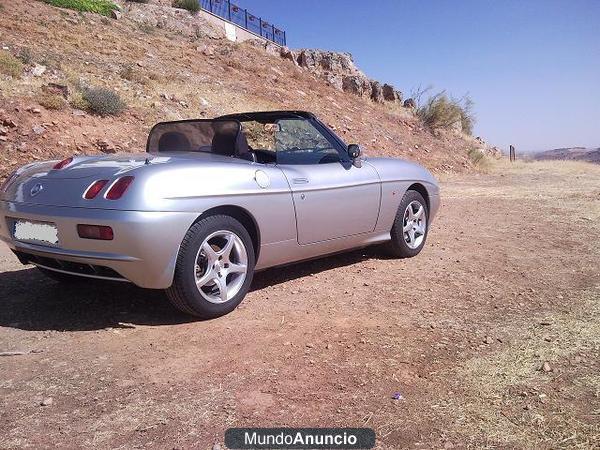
point(225, 138)
point(241, 144)
point(174, 141)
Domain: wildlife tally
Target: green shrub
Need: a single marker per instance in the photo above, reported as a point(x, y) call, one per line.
point(103, 102)
point(443, 111)
point(9, 65)
point(192, 6)
point(103, 7)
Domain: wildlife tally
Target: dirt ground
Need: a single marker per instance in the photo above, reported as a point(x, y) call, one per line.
point(509, 281)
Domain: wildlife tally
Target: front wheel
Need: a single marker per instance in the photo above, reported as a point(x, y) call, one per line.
point(409, 231)
point(214, 268)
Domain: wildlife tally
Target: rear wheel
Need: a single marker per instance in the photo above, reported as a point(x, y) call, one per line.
point(214, 268)
point(409, 231)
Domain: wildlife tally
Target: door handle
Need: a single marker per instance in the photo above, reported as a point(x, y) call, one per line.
point(299, 180)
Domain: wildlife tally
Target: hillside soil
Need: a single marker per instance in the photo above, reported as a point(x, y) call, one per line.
point(491, 336)
point(165, 75)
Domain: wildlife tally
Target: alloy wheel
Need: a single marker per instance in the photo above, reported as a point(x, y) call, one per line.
point(414, 224)
point(221, 266)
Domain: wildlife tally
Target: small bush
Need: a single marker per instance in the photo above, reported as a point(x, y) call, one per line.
point(467, 117)
point(130, 73)
point(78, 102)
point(25, 55)
point(103, 7)
point(234, 64)
point(9, 65)
point(442, 111)
point(51, 101)
point(479, 158)
point(103, 102)
point(192, 6)
point(475, 155)
point(146, 27)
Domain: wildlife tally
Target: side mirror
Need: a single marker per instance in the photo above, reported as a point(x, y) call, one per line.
point(354, 151)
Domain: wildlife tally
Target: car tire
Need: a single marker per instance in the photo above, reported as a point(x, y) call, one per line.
point(208, 281)
point(411, 226)
point(62, 277)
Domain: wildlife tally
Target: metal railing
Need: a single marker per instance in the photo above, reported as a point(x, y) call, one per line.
point(241, 17)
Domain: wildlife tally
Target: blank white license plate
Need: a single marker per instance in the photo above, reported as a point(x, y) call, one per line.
point(42, 232)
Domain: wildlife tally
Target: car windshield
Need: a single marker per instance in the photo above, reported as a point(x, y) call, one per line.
point(210, 136)
point(290, 141)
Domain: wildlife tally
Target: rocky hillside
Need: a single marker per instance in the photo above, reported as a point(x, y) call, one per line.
point(168, 65)
point(571, 154)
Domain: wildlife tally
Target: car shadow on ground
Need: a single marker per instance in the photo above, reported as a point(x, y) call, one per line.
point(31, 301)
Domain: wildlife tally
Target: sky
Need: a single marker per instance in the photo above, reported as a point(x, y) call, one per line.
point(532, 67)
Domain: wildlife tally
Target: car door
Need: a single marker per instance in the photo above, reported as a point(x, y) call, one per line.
point(332, 197)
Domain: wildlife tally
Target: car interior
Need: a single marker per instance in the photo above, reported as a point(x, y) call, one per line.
point(267, 138)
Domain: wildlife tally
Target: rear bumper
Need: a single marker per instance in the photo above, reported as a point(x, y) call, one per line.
point(143, 251)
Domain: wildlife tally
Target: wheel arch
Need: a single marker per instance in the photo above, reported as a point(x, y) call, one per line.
point(421, 190)
point(241, 215)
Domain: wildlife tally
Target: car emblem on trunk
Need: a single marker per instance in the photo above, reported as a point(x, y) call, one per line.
point(35, 190)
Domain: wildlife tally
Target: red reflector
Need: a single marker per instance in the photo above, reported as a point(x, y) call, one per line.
point(118, 188)
point(93, 190)
point(63, 163)
point(95, 232)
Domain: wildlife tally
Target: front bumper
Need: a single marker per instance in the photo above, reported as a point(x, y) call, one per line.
point(143, 251)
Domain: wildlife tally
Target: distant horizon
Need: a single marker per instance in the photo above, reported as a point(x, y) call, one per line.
point(563, 148)
point(531, 68)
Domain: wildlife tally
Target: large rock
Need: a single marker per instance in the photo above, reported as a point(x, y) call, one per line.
point(288, 54)
point(334, 80)
point(339, 71)
point(390, 94)
point(357, 84)
point(320, 61)
point(377, 92)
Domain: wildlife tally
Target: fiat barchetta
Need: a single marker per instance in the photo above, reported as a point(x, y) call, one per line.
point(210, 202)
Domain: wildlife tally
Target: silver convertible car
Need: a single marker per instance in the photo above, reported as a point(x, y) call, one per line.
point(210, 202)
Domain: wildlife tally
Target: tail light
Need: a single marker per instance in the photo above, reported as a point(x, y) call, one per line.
point(100, 232)
point(118, 188)
point(94, 189)
point(62, 164)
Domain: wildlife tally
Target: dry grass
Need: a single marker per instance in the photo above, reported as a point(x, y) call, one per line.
point(9, 65)
point(492, 381)
point(131, 73)
point(52, 101)
point(506, 400)
point(77, 101)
